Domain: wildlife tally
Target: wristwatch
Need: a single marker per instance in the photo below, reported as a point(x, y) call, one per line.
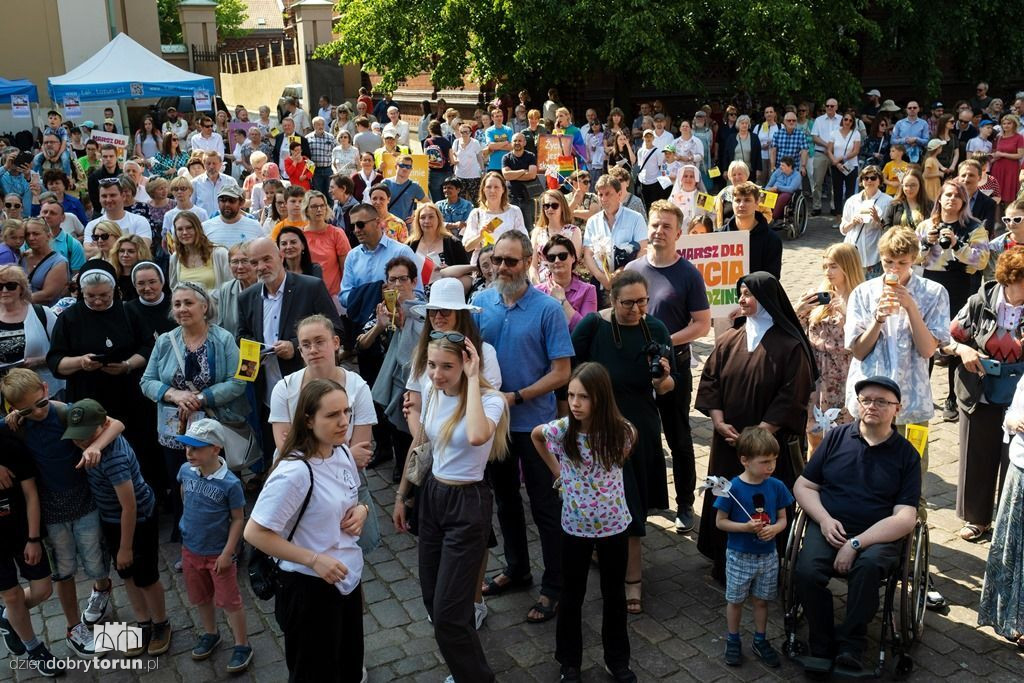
point(855, 544)
point(519, 397)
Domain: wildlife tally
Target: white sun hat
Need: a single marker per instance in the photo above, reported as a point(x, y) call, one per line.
point(446, 294)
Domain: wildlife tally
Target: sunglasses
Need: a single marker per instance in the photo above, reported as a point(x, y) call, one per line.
point(560, 256)
point(12, 205)
point(869, 177)
point(1013, 220)
point(506, 260)
point(9, 286)
point(431, 312)
point(553, 205)
point(405, 166)
point(107, 182)
point(25, 412)
point(359, 225)
point(453, 337)
point(100, 236)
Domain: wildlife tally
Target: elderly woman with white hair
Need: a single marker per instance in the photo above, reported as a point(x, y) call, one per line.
point(738, 172)
point(741, 144)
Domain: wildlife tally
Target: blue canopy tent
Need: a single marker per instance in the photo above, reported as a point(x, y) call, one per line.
point(19, 86)
point(123, 69)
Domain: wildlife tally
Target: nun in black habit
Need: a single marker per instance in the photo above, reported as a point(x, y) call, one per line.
point(760, 373)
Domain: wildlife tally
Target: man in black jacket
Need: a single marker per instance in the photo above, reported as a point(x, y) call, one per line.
point(765, 245)
point(983, 207)
point(269, 312)
point(108, 169)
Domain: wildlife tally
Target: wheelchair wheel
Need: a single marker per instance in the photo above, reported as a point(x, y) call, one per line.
point(791, 611)
point(798, 219)
point(914, 585)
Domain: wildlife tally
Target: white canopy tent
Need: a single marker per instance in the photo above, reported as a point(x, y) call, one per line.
point(123, 69)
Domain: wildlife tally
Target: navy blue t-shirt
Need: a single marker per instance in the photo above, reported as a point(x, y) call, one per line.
point(773, 496)
point(675, 291)
point(117, 465)
point(861, 484)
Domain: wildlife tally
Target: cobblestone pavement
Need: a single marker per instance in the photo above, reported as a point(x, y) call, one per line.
point(678, 638)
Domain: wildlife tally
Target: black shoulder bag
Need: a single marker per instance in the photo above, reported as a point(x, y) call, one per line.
point(264, 570)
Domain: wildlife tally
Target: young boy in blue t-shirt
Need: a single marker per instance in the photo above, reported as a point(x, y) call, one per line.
point(751, 560)
point(211, 528)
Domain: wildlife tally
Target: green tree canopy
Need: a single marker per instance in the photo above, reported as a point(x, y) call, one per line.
point(777, 47)
point(230, 16)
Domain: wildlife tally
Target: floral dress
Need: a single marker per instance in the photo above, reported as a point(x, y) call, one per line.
point(833, 359)
point(593, 498)
point(195, 377)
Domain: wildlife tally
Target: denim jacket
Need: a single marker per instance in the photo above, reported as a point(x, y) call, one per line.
point(226, 395)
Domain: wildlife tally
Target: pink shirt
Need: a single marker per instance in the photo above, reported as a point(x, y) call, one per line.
point(327, 248)
point(581, 296)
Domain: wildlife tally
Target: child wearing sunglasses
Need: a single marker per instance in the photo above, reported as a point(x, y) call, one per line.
point(1013, 221)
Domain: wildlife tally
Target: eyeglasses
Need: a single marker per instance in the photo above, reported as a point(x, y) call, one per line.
point(25, 412)
point(869, 177)
point(630, 303)
point(399, 280)
point(100, 236)
point(239, 262)
point(107, 182)
point(506, 260)
point(1013, 220)
point(552, 205)
point(12, 205)
point(9, 286)
point(876, 402)
point(317, 207)
point(453, 337)
point(560, 256)
point(831, 106)
point(405, 166)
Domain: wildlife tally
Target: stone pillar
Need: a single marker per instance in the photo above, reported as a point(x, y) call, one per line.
point(198, 27)
point(313, 27)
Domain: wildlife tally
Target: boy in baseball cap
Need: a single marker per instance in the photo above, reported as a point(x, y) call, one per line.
point(128, 520)
point(211, 527)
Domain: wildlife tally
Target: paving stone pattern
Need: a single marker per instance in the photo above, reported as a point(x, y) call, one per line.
point(678, 638)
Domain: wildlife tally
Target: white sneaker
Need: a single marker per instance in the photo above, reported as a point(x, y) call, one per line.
point(450, 679)
point(480, 612)
point(96, 607)
point(81, 642)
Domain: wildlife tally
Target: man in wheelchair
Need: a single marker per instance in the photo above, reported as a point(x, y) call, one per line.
point(860, 490)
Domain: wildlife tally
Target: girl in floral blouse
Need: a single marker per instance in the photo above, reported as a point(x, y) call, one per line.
point(824, 326)
point(586, 451)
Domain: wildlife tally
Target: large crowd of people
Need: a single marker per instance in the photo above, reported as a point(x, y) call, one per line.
point(501, 326)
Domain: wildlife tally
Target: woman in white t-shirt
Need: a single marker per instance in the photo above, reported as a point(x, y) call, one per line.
point(468, 161)
point(843, 150)
point(466, 422)
point(494, 214)
point(318, 346)
point(319, 601)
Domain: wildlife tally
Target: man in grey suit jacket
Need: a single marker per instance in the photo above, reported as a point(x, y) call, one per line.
point(269, 312)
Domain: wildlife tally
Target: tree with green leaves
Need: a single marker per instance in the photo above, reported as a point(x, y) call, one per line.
point(231, 14)
point(774, 47)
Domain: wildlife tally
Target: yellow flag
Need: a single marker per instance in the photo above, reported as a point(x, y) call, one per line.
point(248, 360)
point(917, 435)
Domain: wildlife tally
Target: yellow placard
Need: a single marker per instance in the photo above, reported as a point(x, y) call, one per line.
point(767, 199)
point(917, 435)
point(248, 360)
point(421, 173)
point(705, 202)
point(713, 172)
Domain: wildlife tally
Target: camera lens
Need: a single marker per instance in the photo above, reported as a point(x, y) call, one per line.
point(945, 242)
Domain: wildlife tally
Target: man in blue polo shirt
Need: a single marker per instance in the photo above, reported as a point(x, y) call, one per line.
point(860, 490)
point(529, 332)
point(499, 140)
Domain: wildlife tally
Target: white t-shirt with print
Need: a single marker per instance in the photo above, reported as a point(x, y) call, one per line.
point(457, 460)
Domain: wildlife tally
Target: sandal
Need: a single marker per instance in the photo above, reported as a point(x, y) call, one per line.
point(548, 611)
point(972, 532)
point(634, 605)
point(492, 587)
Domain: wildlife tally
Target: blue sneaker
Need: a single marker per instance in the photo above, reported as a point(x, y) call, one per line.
point(733, 652)
point(764, 651)
point(240, 658)
point(205, 645)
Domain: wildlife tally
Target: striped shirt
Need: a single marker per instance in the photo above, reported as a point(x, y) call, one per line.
point(117, 466)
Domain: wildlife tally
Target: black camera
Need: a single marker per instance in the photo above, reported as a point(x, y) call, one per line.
point(945, 242)
point(655, 352)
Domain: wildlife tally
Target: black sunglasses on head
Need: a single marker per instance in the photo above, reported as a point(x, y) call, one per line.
point(107, 182)
point(453, 337)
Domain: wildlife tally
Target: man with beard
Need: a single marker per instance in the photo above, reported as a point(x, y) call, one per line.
point(206, 188)
point(519, 168)
point(177, 125)
point(231, 226)
point(529, 332)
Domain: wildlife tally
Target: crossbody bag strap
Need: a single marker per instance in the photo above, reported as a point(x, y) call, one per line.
point(305, 503)
point(181, 362)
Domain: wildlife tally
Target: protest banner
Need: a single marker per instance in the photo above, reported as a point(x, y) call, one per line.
point(72, 106)
point(19, 107)
point(243, 126)
point(421, 173)
point(116, 139)
point(201, 98)
point(722, 259)
point(550, 148)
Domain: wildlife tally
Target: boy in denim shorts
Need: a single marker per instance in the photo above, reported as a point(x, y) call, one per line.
point(752, 516)
point(211, 527)
point(68, 512)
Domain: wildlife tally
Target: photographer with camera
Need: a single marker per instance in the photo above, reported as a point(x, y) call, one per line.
point(760, 375)
point(679, 300)
point(954, 252)
point(636, 349)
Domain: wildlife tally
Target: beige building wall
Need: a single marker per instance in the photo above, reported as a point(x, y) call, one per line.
point(256, 88)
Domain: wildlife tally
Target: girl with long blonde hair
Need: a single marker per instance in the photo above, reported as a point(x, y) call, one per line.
point(823, 314)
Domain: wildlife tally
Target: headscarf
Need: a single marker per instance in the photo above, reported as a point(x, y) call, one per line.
point(98, 266)
point(271, 171)
point(159, 273)
point(772, 299)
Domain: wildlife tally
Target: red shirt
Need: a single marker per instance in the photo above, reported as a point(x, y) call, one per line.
point(298, 172)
